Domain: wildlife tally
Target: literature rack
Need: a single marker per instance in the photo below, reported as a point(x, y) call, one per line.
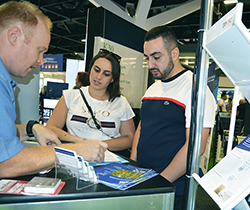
point(84, 174)
point(227, 183)
point(228, 43)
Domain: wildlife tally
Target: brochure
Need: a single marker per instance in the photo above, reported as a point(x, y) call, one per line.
point(42, 185)
point(228, 182)
point(121, 176)
point(8, 186)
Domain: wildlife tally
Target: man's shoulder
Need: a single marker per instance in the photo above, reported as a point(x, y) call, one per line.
point(4, 74)
point(242, 106)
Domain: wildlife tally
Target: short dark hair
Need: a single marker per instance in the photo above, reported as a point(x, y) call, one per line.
point(113, 88)
point(223, 93)
point(83, 77)
point(168, 36)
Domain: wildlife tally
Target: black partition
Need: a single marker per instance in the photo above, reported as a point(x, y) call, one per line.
point(105, 24)
point(247, 121)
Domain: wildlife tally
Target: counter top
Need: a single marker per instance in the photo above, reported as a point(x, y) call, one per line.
point(155, 185)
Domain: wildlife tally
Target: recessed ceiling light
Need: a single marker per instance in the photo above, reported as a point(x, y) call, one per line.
point(230, 1)
point(69, 6)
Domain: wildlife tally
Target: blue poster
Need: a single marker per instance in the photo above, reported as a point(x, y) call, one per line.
point(213, 80)
point(52, 63)
point(245, 144)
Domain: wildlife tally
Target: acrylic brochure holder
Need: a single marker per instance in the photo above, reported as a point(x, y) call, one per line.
point(80, 170)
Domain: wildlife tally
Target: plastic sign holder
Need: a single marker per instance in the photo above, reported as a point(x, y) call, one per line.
point(75, 168)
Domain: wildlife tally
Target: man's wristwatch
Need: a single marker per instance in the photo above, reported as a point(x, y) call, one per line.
point(29, 127)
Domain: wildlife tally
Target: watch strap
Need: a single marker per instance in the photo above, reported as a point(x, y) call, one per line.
point(29, 127)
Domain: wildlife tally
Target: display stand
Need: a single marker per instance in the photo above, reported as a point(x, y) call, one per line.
point(84, 174)
point(228, 182)
point(228, 43)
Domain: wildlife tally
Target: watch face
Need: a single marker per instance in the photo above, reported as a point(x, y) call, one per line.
point(91, 123)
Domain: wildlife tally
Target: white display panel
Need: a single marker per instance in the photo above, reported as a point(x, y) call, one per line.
point(50, 103)
point(72, 68)
point(134, 73)
point(228, 43)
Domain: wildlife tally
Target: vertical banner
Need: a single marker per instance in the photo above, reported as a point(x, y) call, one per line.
point(52, 63)
point(204, 160)
point(134, 73)
point(213, 80)
point(213, 83)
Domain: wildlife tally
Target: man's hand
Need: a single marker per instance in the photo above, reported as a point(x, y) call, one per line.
point(44, 136)
point(91, 150)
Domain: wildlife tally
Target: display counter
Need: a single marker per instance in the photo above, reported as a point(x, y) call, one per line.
point(155, 193)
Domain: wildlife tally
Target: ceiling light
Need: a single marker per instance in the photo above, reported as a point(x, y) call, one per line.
point(187, 57)
point(230, 1)
point(69, 6)
point(94, 3)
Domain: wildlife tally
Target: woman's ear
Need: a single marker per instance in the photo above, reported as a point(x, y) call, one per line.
point(175, 53)
point(13, 34)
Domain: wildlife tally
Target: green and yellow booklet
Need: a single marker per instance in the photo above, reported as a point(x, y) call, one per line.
point(121, 176)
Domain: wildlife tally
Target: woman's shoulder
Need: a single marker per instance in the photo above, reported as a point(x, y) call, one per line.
point(70, 91)
point(71, 94)
point(122, 100)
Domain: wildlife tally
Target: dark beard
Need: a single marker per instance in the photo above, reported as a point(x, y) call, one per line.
point(166, 72)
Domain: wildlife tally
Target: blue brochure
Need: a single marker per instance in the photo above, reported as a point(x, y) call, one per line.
point(121, 176)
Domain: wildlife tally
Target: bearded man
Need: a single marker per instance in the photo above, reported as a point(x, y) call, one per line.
point(161, 139)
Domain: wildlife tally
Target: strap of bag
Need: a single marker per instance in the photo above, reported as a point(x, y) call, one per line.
point(90, 110)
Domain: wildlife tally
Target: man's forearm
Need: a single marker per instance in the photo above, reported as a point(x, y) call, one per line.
point(177, 167)
point(133, 155)
point(21, 132)
point(29, 160)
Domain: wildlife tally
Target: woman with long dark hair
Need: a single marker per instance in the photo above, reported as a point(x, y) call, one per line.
point(112, 117)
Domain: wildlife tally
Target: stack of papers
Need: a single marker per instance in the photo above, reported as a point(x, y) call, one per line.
point(42, 185)
point(121, 176)
point(8, 186)
point(110, 157)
